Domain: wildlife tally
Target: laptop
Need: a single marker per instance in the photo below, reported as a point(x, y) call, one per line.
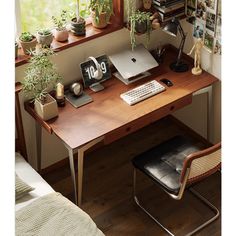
point(133, 65)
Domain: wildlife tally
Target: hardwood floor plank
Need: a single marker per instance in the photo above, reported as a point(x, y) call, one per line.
point(108, 185)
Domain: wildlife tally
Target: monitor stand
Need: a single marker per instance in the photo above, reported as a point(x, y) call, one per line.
point(132, 79)
point(96, 87)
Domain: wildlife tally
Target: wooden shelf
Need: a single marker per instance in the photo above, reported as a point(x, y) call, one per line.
point(91, 33)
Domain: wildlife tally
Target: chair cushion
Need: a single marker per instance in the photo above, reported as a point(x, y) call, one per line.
point(163, 163)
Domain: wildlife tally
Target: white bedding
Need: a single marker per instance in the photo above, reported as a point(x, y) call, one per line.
point(32, 178)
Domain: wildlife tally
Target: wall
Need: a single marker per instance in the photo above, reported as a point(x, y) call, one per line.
point(68, 62)
point(211, 63)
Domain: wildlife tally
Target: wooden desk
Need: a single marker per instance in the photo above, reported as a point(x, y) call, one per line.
point(109, 118)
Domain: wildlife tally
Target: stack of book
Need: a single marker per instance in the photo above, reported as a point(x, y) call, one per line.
point(168, 9)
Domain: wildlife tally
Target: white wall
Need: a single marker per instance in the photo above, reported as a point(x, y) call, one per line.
point(212, 64)
point(68, 62)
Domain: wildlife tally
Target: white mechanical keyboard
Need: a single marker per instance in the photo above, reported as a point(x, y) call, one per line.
point(142, 92)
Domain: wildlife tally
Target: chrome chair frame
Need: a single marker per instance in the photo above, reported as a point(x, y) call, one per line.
point(178, 197)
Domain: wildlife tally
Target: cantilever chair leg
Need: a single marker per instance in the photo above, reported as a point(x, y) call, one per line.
point(138, 203)
point(207, 203)
point(195, 193)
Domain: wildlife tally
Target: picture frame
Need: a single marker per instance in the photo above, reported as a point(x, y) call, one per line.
point(211, 5)
point(209, 41)
point(191, 15)
point(199, 28)
point(201, 9)
point(210, 21)
point(217, 47)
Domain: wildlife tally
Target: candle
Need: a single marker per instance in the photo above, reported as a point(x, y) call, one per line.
point(60, 91)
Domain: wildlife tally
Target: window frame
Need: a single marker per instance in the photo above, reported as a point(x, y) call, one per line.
point(91, 32)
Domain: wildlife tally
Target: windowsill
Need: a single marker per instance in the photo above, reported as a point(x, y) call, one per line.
point(91, 33)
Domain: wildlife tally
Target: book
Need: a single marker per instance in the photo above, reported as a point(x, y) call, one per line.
point(166, 3)
point(165, 19)
point(169, 9)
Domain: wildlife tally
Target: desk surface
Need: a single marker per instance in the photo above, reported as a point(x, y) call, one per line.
point(108, 115)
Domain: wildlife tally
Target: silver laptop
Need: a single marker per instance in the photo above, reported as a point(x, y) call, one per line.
point(130, 63)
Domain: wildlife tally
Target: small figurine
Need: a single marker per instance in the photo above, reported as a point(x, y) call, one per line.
point(197, 56)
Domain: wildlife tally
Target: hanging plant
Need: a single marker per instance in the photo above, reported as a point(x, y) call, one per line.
point(140, 23)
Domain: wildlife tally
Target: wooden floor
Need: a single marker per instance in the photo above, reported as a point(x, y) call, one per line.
point(107, 190)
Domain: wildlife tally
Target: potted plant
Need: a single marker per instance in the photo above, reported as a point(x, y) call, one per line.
point(28, 42)
point(61, 34)
point(16, 49)
point(139, 23)
point(44, 37)
point(101, 11)
point(41, 77)
point(78, 22)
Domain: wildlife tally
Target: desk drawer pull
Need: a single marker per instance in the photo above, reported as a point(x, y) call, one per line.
point(172, 108)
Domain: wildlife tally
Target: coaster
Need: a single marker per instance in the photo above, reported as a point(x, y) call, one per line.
point(78, 101)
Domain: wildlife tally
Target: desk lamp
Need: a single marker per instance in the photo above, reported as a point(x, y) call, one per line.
point(172, 28)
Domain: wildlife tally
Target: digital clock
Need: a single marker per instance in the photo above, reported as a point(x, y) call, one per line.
point(95, 70)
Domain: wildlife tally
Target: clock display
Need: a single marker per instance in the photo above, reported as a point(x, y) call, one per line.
point(89, 68)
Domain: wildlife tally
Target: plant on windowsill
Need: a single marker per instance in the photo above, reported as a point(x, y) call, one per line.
point(139, 23)
point(41, 78)
point(28, 42)
point(44, 37)
point(78, 22)
point(61, 34)
point(101, 11)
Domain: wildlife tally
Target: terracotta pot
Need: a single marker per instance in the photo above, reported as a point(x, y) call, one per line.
point(61, 35)
point(44, 40)
point(101, 23)
point(48, 110)
point(27, 46)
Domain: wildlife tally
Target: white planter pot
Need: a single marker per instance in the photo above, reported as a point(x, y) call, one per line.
point(45, 40)
point(61, 35)
point(48, 110)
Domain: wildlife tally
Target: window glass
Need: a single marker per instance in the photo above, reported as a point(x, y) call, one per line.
point(37, 14)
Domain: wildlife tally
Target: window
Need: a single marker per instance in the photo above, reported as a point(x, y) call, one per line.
point(37, 14)
point(32, 15)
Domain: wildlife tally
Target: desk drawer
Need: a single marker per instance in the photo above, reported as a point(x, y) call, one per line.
point(147, 119)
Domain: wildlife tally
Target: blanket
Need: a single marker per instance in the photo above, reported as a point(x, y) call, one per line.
point(54, 214)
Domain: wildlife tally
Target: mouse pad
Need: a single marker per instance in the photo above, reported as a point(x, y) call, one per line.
point(78, 101)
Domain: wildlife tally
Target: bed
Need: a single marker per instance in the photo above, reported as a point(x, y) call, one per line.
point(39, 209)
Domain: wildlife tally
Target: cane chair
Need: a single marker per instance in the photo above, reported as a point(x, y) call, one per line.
point(174, 166)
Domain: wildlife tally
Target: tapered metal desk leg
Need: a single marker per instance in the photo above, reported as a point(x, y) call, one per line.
point(77, 195)
point(72, 171)
point(39, 144)
point(210, 117)
point(80, 150)
point(80, 175)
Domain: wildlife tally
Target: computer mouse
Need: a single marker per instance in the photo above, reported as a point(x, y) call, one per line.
point(167, 82)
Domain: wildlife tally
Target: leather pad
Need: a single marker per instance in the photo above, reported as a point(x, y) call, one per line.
point(163, 163)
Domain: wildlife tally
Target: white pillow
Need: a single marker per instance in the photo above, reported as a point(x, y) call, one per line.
point(21, 188)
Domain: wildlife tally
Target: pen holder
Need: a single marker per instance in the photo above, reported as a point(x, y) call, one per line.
point(159, 54)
